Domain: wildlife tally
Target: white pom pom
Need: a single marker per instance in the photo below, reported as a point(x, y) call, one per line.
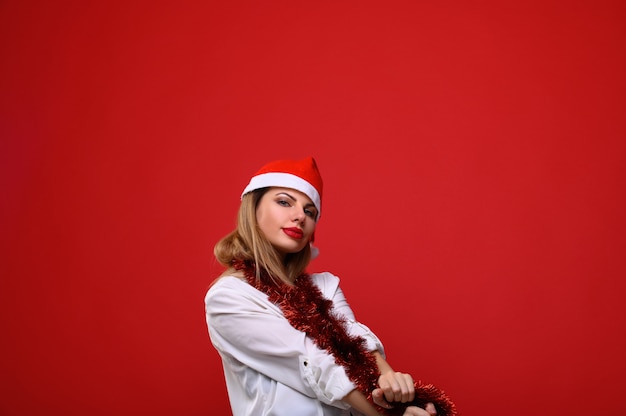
point(314, 251)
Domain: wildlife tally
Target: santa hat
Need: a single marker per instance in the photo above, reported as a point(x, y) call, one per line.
point(301, 175)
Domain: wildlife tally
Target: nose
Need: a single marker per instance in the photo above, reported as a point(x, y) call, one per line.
point(298, 215)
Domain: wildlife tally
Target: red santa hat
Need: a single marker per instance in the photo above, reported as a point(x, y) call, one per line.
point(301, 175)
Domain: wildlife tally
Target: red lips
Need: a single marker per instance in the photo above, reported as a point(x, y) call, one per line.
point(294, 232)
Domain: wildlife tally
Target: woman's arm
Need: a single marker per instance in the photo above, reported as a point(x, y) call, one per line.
point(394, 386)
point(358, 401)
point(329, 285)
point(248, 329)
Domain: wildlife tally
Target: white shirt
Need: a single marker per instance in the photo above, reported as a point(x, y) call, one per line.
point(271, 368)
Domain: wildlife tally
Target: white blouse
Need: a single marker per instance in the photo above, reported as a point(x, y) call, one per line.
point(270, 367)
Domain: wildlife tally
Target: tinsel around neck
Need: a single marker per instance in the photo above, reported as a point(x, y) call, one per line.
point(306, 309)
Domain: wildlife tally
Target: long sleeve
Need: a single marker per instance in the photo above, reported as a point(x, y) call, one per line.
point(329, 285)
point(248, 329)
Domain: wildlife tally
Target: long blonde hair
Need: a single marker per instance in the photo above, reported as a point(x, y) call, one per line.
point(247, 242)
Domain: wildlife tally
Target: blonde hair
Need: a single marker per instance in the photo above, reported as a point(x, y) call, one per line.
point(247, 242)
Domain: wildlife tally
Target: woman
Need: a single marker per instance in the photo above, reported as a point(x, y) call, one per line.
point(289, 342)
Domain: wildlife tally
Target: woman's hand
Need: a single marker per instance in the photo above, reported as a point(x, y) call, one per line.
point(418, 411)
point(394, 387)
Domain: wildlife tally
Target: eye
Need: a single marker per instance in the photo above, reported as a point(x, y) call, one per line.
point(310, 213)
point(283, 203)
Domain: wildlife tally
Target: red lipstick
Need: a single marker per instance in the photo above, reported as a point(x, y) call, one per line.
point(294, 232)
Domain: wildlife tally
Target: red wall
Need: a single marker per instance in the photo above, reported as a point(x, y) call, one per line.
point(473, 154)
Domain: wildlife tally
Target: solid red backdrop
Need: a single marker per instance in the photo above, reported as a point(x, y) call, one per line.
point(473, 161)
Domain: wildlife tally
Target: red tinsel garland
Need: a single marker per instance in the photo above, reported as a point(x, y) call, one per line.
point(308, 311)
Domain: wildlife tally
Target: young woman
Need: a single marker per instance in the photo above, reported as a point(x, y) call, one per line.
point(289, 342)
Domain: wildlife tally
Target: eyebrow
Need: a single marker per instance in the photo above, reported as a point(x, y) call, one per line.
point(310, 204)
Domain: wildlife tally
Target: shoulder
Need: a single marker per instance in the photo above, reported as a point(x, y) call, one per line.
point(227, 281)
point(327, 282)
point(226, 285)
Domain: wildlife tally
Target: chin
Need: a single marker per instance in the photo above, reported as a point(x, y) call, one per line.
point(292, 250)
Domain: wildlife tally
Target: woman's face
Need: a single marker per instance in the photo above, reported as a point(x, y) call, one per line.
point(287, 219)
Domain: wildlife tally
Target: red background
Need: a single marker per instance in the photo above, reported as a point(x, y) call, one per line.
point(473, 155)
